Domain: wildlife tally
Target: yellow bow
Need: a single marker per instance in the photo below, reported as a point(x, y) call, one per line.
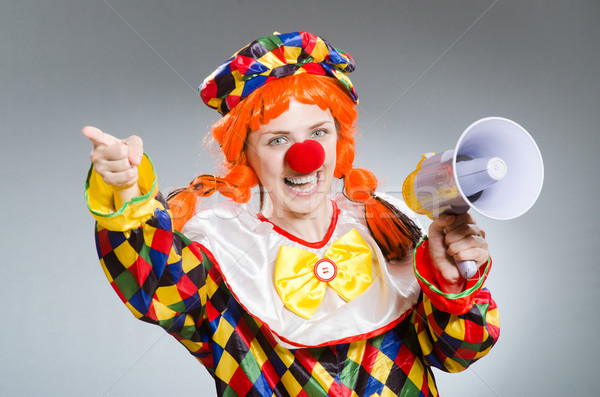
point(301, 278)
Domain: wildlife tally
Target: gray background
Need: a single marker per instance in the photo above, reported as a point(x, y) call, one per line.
point(426, 70)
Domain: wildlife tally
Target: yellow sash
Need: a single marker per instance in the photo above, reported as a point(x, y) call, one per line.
point(296, 278)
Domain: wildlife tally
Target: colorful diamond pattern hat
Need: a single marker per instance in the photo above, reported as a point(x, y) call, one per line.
point(272, 57)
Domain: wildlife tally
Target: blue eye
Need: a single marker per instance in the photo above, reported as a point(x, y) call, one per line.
point(318, 133)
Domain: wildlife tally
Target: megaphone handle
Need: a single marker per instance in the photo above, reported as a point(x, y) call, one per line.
point(467, 269)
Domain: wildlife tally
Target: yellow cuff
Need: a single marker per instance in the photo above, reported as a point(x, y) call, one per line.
point(100, 200)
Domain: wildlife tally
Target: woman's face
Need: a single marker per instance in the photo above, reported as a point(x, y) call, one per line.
point(292, 193)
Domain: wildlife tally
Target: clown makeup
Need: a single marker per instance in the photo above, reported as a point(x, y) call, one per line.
point(294, 197)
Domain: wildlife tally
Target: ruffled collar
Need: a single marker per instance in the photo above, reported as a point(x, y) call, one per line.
point(245, 248)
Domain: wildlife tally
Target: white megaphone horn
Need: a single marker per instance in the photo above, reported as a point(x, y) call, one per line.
point(496, 168)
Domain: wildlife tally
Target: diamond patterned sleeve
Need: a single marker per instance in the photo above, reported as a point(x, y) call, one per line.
point(454, 333)
point(452, 342)
point(160, 275)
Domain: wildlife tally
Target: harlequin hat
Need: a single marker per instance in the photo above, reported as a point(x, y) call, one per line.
point(271, 57)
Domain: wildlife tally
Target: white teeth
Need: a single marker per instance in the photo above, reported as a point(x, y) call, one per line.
point(306, 179)
point(309, 182)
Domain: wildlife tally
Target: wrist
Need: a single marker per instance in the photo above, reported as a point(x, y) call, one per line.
point(453, 288)
point(125, 194)
point(458, 302)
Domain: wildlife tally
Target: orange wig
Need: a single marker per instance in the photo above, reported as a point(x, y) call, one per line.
point(394, 232)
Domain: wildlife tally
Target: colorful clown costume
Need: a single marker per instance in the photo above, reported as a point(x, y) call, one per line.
point(213, 287)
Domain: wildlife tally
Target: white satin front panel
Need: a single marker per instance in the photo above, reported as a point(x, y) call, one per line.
point(246, 250)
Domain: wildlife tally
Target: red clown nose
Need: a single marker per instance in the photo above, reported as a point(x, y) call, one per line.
point(305, 157)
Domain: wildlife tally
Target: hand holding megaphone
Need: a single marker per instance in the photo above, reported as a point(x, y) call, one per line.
point(496, 168)
point(453, 238)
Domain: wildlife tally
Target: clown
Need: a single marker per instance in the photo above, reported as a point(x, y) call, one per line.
point(318, 293)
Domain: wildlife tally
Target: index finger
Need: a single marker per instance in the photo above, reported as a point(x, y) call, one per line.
point(98, 137)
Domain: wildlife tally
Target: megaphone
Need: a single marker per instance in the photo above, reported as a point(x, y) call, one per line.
point(496, 169)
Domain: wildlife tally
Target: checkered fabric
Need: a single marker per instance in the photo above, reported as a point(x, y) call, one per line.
point(166, 279)
point(272, 57)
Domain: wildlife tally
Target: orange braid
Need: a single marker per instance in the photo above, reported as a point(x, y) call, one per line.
point(394, 232)
point(235, 185)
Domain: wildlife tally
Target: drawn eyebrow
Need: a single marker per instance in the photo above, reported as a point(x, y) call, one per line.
point(276, 132)
point(319, 124)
